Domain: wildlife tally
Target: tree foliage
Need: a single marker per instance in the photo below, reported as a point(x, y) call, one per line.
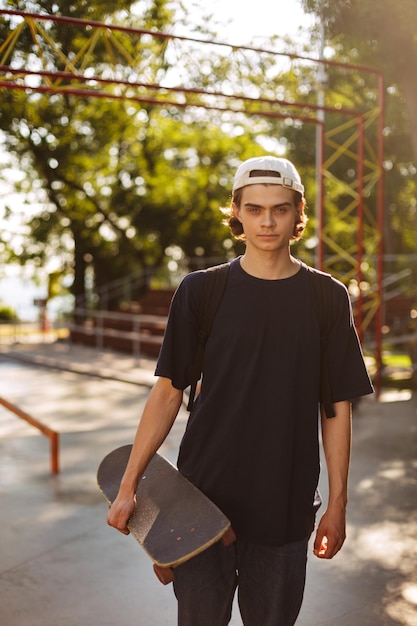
point(121, 180)
point(383, 35)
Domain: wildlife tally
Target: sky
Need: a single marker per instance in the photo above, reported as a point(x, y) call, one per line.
point(262, 18)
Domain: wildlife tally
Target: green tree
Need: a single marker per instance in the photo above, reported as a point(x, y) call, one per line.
point(117, 177)
point(383, 35)
point(123, 181)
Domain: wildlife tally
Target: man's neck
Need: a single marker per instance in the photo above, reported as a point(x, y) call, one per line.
point(269, 266)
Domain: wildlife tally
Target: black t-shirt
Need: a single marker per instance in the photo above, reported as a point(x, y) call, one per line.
point(251, 442)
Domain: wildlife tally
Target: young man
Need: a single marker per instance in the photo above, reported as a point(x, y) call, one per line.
point(251, 443)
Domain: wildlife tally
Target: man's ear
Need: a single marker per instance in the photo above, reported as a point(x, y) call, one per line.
point(236, 211)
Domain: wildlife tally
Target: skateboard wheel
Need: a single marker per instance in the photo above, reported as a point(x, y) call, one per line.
point(165, 575)
point(229, 537)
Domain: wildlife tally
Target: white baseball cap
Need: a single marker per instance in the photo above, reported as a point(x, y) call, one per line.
point(268, 169)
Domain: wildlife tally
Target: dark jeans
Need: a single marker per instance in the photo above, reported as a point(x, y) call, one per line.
point(270, 583)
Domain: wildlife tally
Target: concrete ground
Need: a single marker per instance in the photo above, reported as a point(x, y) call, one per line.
point(60, 565)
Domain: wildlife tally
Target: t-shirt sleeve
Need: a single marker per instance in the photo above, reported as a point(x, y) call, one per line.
point(348, 376)
point(179, 346)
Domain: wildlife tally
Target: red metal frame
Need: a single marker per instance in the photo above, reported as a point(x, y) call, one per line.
point(272, 114)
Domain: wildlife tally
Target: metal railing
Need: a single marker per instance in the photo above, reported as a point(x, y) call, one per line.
point(94, 324)
point(52, 435)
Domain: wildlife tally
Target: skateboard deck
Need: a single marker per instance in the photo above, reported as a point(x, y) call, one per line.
point(173, 520)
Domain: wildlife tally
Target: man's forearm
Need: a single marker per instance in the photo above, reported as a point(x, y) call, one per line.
point(336, 433)
point(337, 436)
point(158, 416)
point(157, 419)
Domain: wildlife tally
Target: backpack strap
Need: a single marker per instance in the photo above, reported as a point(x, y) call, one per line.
point(214, 285)
point(321, 289)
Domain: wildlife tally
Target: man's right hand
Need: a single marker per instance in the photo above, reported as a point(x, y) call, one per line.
point(120, 512)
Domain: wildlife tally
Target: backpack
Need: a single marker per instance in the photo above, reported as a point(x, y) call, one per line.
point(214, 286)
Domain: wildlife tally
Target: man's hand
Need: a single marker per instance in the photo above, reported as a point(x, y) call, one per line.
point(331, 533)
point(120, 512)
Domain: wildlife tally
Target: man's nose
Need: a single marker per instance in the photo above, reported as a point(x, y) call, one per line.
point(267, 219)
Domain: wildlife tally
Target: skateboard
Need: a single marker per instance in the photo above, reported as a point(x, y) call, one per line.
point(173, 520)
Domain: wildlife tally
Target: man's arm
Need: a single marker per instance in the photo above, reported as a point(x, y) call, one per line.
point(158, 416)
point(336, 434)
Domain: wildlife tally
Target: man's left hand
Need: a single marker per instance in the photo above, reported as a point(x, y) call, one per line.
point(331, 533)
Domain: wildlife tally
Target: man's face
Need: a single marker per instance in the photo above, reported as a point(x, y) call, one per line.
point(268, 214)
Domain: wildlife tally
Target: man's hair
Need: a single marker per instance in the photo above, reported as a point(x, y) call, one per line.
point(236, 227)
